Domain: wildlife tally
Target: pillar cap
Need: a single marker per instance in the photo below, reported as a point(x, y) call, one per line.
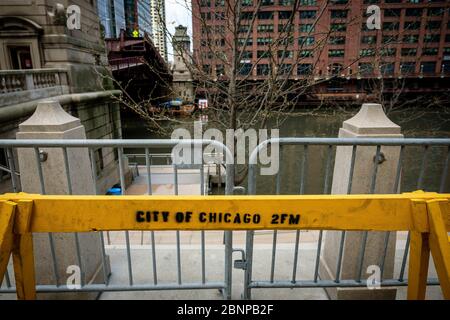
point(371, 119)
point(49, 116)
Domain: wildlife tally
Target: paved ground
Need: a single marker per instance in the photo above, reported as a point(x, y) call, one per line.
point(191, 272)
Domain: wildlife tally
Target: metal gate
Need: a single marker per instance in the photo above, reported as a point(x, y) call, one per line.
point(117, 147)
point(425, 148)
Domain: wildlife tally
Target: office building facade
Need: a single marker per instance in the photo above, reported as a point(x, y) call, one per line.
point(323, 39)
point(158, 14)
point(112, 16)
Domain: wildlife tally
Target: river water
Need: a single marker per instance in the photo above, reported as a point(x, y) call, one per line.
point(414, 123)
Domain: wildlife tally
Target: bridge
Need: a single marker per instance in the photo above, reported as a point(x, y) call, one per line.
point(138, 67)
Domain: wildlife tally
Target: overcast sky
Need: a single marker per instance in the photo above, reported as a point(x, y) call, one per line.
point(177, 12)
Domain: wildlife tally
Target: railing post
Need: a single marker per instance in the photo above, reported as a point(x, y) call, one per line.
point(7, 212)
point(418, 265)
point(23, 257)
point(438, 217)
point(362, 170)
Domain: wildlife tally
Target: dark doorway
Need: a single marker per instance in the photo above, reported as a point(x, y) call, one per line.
point(21, 57)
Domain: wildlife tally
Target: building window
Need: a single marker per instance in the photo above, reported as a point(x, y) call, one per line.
point(206, 68)
point(430, 51)
point(285, 54)
point(389, 39)
point(411, 38)
point(429, 38)
point(285, 69)
point(428, 67)
point(262, 69)
point(246, 15)
point(306, 28)
point(284, 14)
point(392, 12)
point(245, 69)
point(365, 68)
point(411, 25)
point(205, 3)
point(339, 14)
point(308, 14)
point(244, 28)
point(388, 52)
point(337, 40)
point(285, 28)
point(431, 25)
point(265, 28)
point(267, 2)
point(261, 54)
point(219, 16)
point(286, 2)
point(264, 41)
point(338, 27)
point(366, 53)
point(369, 39)
point(407, 67)
point(308, 2)
point(205, 16)
point(409, 52)
point(305, 41)
point(447, 38)
point(304, 69)
point(392, 1)
point(220, 70)
point(247, 3)
point(435, 12)
point(390, 25)
point(247, 55)
point(305, 53)
point(371, 1)
point(265, 15)
point(336, 53)
point(387, 68)
point(245, 42)
point(413, 12)
point(220, 3)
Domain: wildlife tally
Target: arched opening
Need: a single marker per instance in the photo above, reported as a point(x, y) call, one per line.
point(19, 43)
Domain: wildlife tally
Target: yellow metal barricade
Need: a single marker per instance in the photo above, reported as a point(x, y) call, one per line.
point(426, 215)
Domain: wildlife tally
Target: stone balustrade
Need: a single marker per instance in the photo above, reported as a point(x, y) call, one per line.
point(17, 86)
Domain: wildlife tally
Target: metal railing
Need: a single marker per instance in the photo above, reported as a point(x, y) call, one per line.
point(92, 145)
point(425, 146)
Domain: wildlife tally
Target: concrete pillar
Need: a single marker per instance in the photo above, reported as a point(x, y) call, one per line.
point(370, 121)
point(50, 121)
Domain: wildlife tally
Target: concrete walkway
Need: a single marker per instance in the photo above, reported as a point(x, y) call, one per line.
point(191, 272)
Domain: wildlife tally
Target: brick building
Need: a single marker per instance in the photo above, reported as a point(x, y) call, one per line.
point(329, 42)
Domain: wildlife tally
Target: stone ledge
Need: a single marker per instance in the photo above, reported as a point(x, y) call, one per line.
point(16, 111)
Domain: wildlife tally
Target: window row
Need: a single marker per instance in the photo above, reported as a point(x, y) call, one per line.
point(305, 69)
